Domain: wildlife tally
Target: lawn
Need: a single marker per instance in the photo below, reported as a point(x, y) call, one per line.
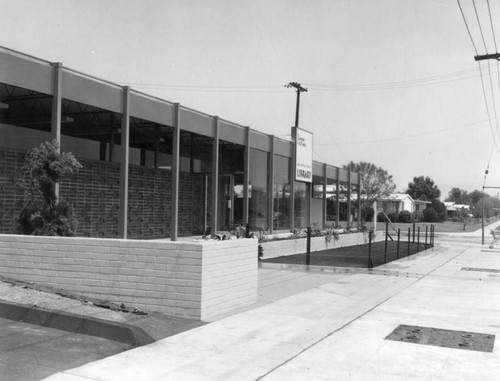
point(354, 256)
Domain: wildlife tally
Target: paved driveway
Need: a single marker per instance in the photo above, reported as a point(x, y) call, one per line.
point(31, 352)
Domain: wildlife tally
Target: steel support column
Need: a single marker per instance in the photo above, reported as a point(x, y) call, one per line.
point(215, 177)
point(337, 201)
point(246, 177)
point(56, 115)
point(359, 198)
point(174, 223)
point(349, 209)
point(270, 183)
point(124, 163)
point(325, 182)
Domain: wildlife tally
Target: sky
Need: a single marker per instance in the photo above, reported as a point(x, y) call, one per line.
point(390, 82)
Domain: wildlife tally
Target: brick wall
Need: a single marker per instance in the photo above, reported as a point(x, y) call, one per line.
point(10, 165)
point(94, 192)
point(198, 279)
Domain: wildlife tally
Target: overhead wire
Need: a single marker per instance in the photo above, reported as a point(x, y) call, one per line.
point(479, 25)
point(492, 130)
point(498, 77)
point(424, 81)
point(467, 26)
point(413, 136)
point(322, 123)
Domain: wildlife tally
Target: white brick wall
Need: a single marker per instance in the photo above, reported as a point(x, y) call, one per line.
point(198, 279)
point(297, 246)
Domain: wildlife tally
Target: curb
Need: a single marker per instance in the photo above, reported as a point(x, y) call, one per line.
point(69, 322)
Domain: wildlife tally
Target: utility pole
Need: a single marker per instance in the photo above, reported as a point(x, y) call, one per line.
point(299, 89)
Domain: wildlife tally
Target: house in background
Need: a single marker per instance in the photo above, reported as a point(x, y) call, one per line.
point(398, 202)
point(455, 210)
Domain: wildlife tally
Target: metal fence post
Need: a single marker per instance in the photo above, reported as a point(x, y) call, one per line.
point(414, 232)
point(425, 244)
point(386, 237)
point(370, 263)
point(418, 239)
point(308, 255)
point(409, 240)
point(397, 250)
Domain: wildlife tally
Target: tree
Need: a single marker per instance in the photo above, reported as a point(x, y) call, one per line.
point(375, 181)
point(41, 213)
point(491, 204)
point(423, 188)
point(458, 196)
point(440, 209)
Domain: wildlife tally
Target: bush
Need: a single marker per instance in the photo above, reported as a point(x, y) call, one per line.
point(381, 217)
point(418, 216)
point(405, 217)
point(430, 215)
point(394, 216)
point(367, 214)
point(440, 209)
point(42, 213)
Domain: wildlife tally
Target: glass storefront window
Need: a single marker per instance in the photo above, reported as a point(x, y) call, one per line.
point(258, 192)
point(281, 193)
point(300, 199)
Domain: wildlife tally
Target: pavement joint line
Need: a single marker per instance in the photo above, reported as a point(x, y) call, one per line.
point(358, 317)
point(32, 344)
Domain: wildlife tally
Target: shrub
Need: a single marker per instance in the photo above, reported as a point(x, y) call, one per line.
point(42, 214)
point(394, 216)
point(381, 217)
point(418, 216)
point(405, 217)
point(430, 215)
point(367, 214)
point(440, 209)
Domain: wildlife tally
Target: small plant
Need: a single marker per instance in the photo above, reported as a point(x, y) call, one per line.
point(331, 234)
point(42, 213)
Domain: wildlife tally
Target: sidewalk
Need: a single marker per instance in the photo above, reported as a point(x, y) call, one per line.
point(333, 324)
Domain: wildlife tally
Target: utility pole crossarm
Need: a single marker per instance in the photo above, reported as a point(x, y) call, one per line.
point(300, 89)
point(495, 56)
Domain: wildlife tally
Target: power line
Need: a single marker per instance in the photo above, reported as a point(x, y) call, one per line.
point(492, 28)
point(412, 136)
point(424, 81)
point(487, 108)
point(322, 123)
point(467, 26)
point(480, 28)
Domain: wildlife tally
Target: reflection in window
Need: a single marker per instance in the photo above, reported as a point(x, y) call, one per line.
point(258, 202)
point(300, 199)
point(281, 193)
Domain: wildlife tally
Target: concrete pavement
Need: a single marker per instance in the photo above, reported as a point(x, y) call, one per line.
point(332, 324)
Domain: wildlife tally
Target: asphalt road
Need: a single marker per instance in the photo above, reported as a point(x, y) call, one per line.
point(31, 352)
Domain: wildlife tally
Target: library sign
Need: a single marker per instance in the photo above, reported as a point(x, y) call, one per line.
point(303, 155)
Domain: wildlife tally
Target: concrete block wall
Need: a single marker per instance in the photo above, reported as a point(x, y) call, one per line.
point(198, 279)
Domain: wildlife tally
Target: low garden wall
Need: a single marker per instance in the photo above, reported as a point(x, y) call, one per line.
point(198, 279)
point(279, 248)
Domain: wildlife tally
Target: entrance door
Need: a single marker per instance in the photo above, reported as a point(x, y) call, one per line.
point(225, 203)
point(230, 201)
